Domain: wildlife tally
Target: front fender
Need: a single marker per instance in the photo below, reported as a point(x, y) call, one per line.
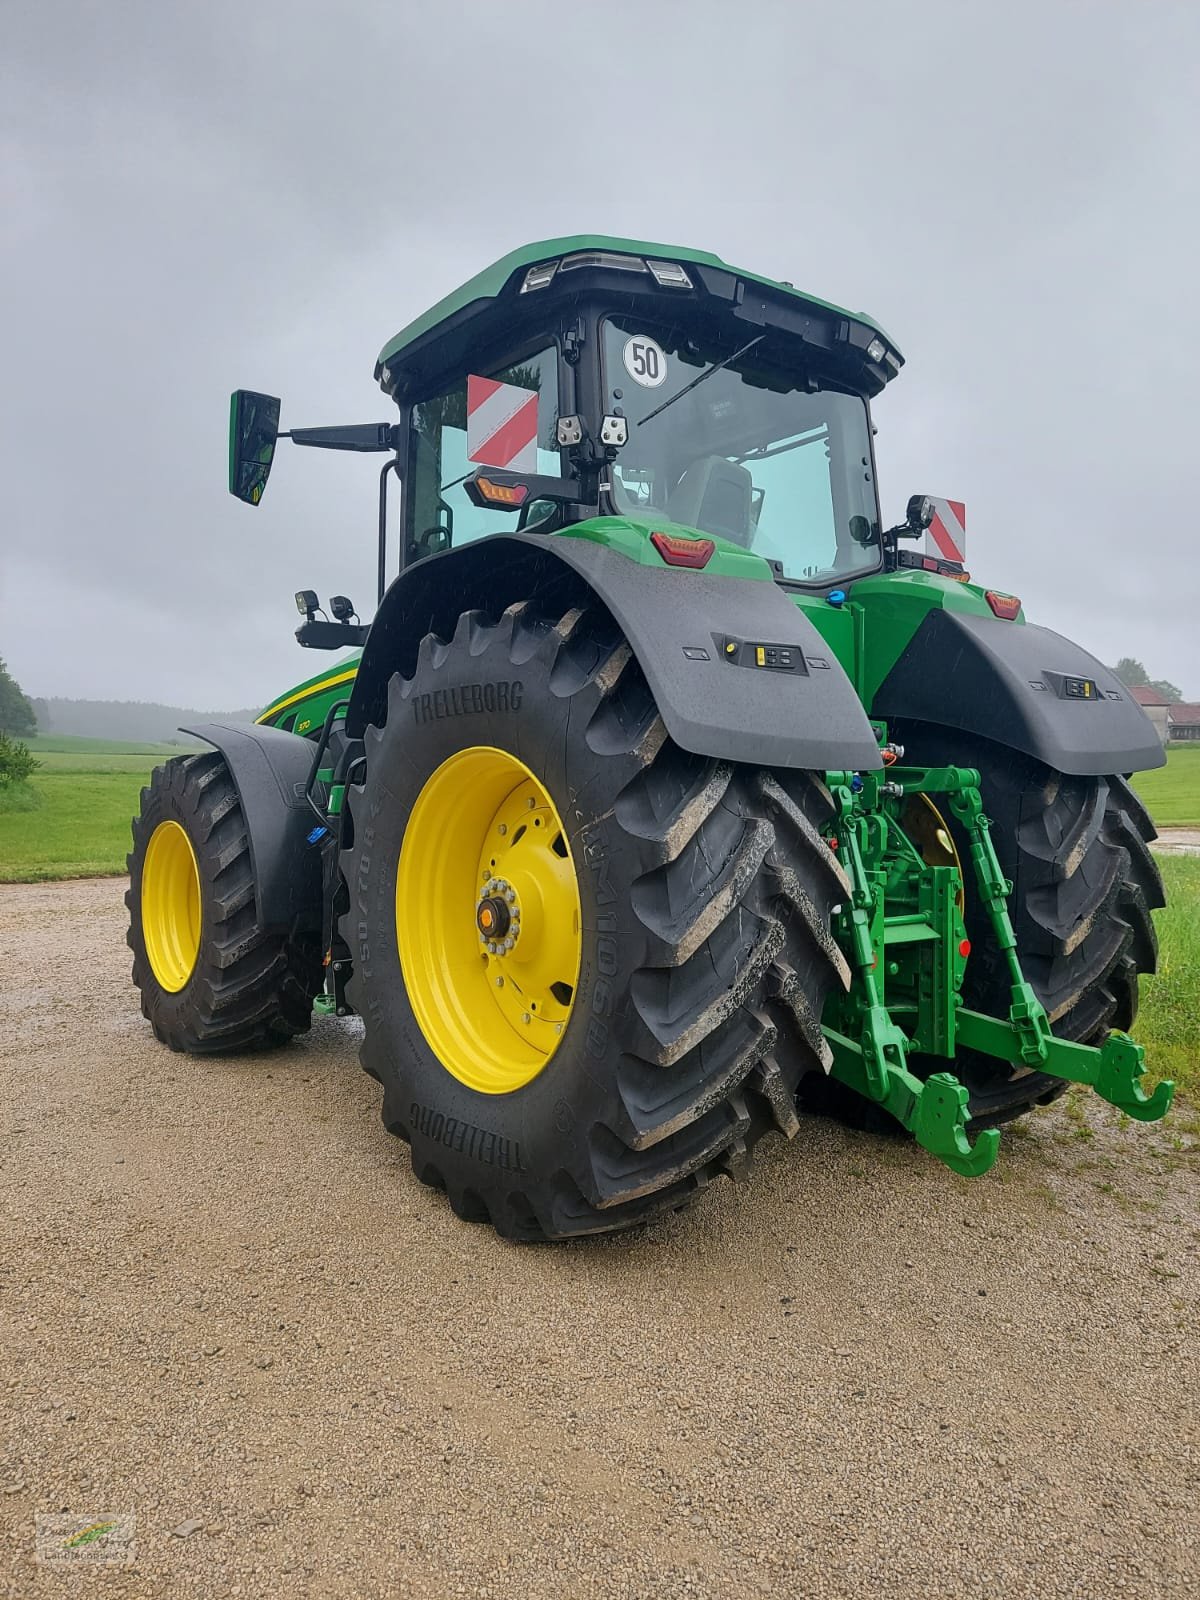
point(1010, 683)
point(677, 624)
point(271, 770)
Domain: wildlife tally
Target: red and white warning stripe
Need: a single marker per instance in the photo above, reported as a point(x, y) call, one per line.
point(502, 424)
point(946, 535)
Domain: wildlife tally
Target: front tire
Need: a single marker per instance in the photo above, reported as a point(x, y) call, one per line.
point(688, 1000)
point(212, 979)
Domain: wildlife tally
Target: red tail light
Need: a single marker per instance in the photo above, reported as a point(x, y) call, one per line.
point(1005, 606)
point(680, 552)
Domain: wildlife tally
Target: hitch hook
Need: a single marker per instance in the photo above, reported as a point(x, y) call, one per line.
point(1122, 1063)
point(938, 1124)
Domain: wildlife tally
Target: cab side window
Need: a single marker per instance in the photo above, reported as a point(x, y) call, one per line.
point(504, 418)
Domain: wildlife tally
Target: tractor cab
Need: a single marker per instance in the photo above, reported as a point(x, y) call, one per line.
point(654, 384)
point(595, 377)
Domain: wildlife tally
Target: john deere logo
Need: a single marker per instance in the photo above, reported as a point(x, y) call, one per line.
point(69, 1540)
point(89, 1535)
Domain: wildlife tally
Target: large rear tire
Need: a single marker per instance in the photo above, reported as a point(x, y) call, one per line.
point(1084, 886)
point(672, 1027)
point(212, 979)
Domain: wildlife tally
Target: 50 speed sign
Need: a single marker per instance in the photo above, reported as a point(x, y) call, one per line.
point(645, 361)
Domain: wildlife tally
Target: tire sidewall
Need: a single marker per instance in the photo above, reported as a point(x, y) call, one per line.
point(492, 1140)
point(170, 799)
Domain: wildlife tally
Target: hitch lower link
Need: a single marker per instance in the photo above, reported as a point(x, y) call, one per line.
point(935, 1109)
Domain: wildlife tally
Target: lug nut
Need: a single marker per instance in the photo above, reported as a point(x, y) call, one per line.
point(499, 983)
point(508, 943)
point(502, 829)
point(528, 1018)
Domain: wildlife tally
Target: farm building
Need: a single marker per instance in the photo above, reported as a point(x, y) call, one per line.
point(1154, 705)
point(1183, 721)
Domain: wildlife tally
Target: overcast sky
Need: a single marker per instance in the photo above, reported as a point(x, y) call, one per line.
point(200, 195)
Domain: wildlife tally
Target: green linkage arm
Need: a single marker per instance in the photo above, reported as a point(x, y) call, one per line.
point(1112, 1070)
point(934, 1112)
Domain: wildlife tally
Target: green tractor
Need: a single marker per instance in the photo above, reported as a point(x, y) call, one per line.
point(670, 792)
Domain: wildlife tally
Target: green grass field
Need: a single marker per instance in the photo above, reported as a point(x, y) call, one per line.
point(1168, 1024)
point(1172, 793)
point(73, 819)
point(66, 753)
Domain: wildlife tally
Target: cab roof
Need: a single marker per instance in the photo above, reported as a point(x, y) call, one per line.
point(493, 281)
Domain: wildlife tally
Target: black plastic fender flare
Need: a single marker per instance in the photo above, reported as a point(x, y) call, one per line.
point(1021, 686)
point(271, 770)
point(676, 622)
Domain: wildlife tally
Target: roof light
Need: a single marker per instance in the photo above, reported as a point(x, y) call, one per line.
point(876, 350)
point(539, 277)
point(1004, 606)
point(919, 512)
point(602, 258)
point(500, 494)
point(677, 551)
point(307, 602)
point(669, 275)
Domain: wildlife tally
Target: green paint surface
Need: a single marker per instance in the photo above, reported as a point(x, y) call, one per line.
point(630, 537)
point(303, 708)
point(870, 632)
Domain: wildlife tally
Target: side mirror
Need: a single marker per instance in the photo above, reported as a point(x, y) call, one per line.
point(253, 430)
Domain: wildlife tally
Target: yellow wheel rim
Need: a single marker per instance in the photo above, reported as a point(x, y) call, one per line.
point(487, 920)
point(927, 828)
point(171, 906)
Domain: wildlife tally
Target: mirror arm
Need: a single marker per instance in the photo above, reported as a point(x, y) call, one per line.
point(368, 437)
point(381, 564)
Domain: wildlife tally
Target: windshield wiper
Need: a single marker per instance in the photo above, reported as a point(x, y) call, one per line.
point(707, 373)
point(763, 452)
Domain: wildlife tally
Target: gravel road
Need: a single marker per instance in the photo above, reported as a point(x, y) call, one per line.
point(228, 1309)
point(1178, 842)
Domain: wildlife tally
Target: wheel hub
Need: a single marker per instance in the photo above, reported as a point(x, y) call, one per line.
point(498, 916)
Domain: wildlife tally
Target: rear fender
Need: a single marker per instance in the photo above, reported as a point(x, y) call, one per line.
point(1021, 686)
point(271, 770)
point(676, 623)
